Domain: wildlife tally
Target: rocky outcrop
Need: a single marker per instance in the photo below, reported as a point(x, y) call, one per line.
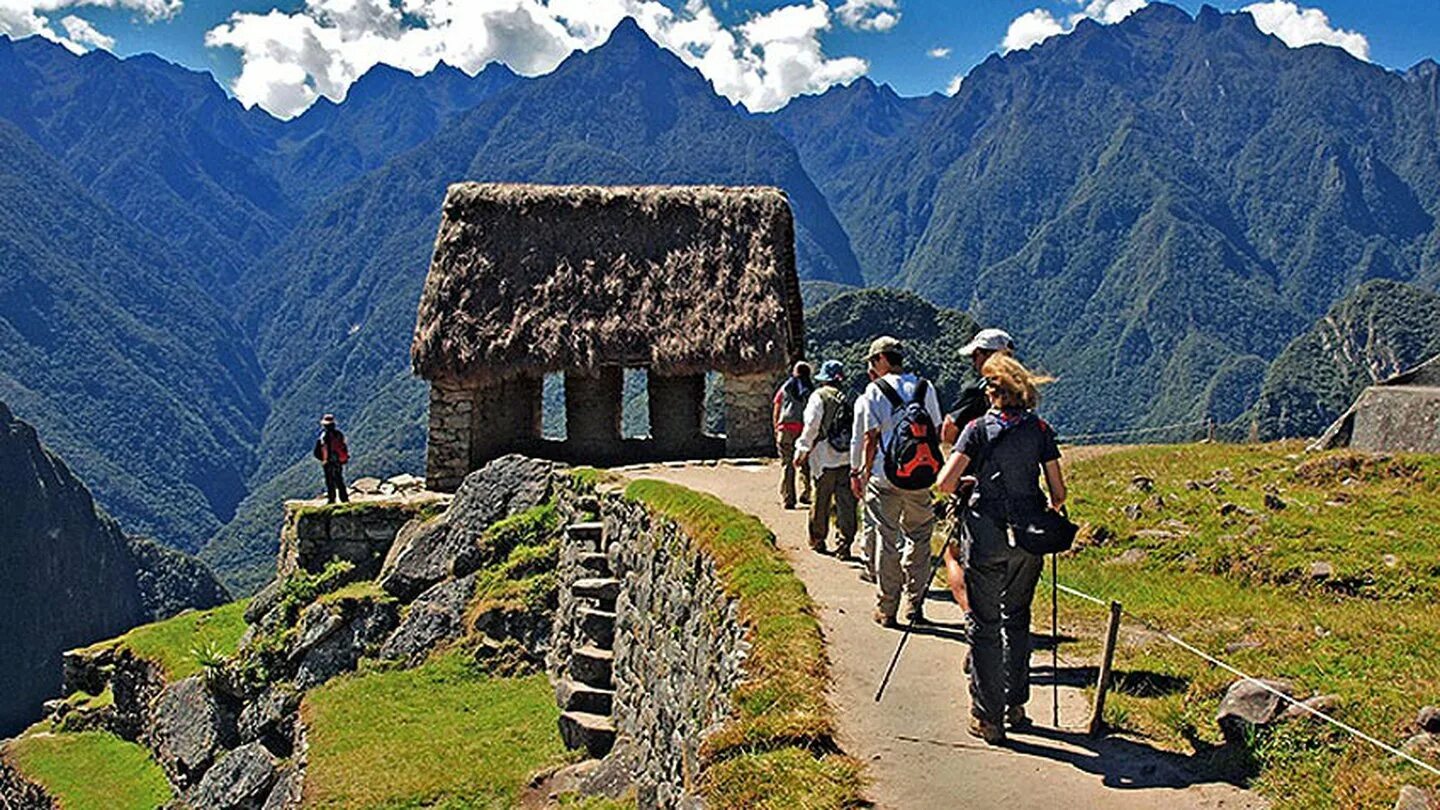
point(191, 727)
point(241, 780)
point(453, 544)
point(361, 532)
point(436, 617)
point(19, 793)
point(69, 575)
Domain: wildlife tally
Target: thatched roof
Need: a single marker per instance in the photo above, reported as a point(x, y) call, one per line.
point(679, 279)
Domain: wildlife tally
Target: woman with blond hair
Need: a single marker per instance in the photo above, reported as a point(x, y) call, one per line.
point(1012, 449)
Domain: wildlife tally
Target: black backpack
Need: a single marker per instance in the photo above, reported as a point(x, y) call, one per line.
point(1040, 532)
point(912, 456)
point(841, 413)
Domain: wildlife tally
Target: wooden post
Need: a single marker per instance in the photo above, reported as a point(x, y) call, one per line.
point(1102, 684)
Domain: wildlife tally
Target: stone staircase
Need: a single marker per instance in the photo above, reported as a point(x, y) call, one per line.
point(587, 691)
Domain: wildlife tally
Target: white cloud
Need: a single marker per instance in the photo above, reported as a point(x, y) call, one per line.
point(938, 53)
point(23, 18)
point(1031, 28)
point(1037, 25)
point(954, 86)
point(290, 59)
point(1297, 27)
point(81, 32)
point(869, 15)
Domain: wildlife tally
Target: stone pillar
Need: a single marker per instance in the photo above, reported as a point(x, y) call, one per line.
point(748, 428)
point(592, 415)
point(447, 454)
point(506, 419)
point(677, 413)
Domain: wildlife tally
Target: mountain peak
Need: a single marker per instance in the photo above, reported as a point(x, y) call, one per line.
point(628, 30)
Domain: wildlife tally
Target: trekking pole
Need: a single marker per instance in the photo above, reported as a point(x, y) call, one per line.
point(1054, 641)
point(895, 659)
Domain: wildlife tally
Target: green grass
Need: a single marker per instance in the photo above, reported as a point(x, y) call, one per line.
point(1367, 634)
point(178, 644)
point(442, 735)
point(774, 745)
point(90, 770)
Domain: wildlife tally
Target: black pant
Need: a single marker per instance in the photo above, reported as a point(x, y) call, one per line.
point(1000, 582)
point(335, 483)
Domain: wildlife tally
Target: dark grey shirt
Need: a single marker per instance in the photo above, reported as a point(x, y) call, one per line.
point(1009, 468)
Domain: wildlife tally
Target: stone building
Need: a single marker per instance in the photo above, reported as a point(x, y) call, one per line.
point(1399, 414)
point(587, 281)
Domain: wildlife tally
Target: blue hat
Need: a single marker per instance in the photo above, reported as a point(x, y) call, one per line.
point(832, 370)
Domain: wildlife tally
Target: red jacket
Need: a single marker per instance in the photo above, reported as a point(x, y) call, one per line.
point(330, 447)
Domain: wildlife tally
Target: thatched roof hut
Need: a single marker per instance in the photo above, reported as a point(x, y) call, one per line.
point(678, 279)
point(530, 280)
point(1398, 414)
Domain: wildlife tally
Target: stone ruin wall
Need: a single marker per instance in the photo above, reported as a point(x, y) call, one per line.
point(679, 646)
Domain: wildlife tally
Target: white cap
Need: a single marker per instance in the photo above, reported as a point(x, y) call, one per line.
point(990, 340)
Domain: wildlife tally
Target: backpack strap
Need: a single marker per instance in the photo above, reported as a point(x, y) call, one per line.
point(890, 393)
point(922, 386)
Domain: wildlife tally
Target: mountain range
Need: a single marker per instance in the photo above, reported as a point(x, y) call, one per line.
point(1155, 209)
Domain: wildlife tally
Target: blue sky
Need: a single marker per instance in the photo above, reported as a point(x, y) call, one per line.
point(918, 46)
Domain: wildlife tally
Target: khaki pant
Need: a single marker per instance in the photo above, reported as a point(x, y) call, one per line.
point(904, 521)
point(833, 488)
point(785, 445)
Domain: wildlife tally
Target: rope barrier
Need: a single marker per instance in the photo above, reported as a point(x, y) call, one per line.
point(1193, 650)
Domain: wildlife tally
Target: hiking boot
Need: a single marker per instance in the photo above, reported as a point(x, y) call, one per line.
point(917, 616)
point(804, 501)
point(818, 546)
point(1015, 717)
point(886, 620)
point(867, 576)
point(991, 733)
point(842, 553)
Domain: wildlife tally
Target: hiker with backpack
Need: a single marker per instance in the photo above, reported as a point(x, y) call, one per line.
point(332, 453)
point(1009, 525)
point(823, 452)
point(901, 460)
point(788, 417)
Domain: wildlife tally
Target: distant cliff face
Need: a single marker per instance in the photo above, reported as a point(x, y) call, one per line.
point(69, 575)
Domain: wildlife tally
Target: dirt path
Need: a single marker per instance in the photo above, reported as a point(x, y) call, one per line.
point(914, 743)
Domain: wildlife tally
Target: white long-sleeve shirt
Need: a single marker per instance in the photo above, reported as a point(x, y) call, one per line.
point(822, 455)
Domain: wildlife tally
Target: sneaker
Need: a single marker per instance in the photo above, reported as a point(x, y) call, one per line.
point(886, 620)
point(991, 733)
point(1015, 717)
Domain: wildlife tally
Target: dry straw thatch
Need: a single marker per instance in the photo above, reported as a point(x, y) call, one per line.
point(679, 279)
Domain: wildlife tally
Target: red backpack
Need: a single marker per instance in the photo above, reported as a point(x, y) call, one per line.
point(912, 456)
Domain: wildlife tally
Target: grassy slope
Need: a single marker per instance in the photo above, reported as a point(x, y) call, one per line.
point(173, 643)
point(443, 735)
point(1366, 634)
point(775, 752)
point(91, 771)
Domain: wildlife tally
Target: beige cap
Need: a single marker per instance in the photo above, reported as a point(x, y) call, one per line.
point(884, 344)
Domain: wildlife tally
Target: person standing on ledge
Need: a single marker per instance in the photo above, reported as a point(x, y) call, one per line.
point(332, 453)
point(788, 418)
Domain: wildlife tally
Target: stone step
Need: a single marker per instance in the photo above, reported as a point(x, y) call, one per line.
point(592, 666)
point(596, 562)
point(574, 696)
point(593, 732)
point(604, 590)
point(598, 627)
point(591, 534)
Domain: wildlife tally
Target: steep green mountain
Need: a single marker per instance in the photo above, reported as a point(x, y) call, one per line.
point(1156, 207)
point(386, 112)
point(69, 575)
point(841, 133)
point(1380, 329)
point(334, 305)
point(842, 327)
point(119, 356)
point(161, 145)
